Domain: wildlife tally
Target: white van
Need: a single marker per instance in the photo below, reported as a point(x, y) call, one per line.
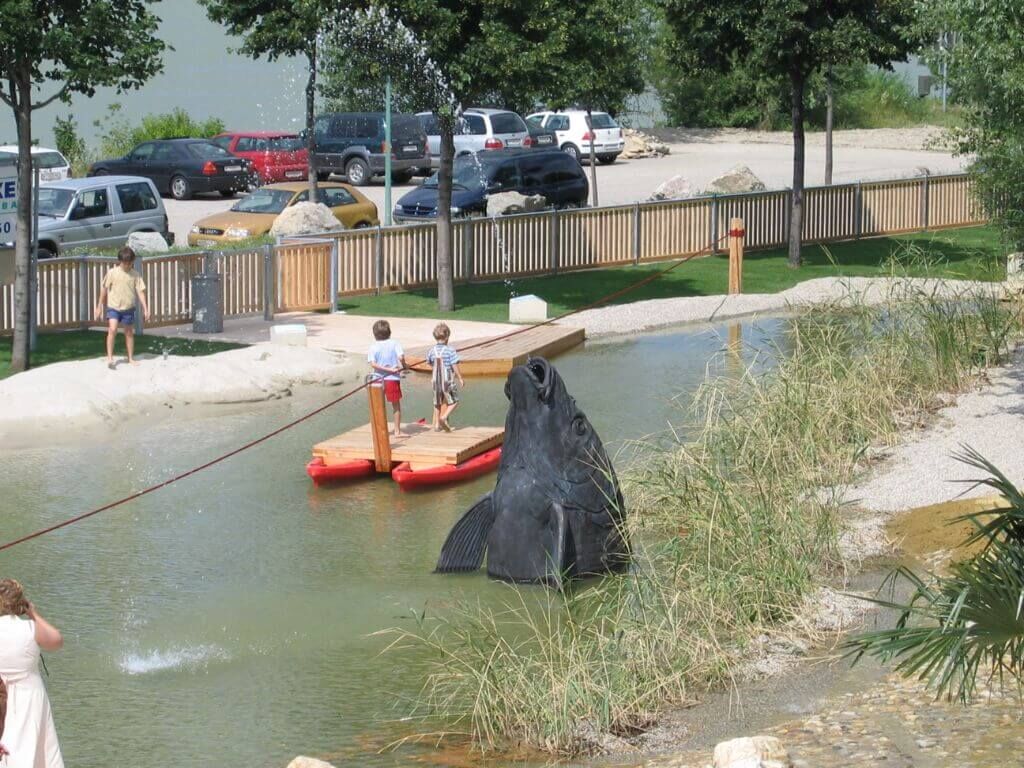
point(52, 165)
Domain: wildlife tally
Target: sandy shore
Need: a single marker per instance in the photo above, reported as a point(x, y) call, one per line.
point(658, 313)
point(81, 394)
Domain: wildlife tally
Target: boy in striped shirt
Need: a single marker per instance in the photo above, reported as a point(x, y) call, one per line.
point(444, 362)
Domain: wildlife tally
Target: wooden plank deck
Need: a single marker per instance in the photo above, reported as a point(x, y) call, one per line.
point(498, 357)
point(421, 446)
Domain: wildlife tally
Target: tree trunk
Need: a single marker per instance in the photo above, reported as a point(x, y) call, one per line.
point(445, 251)
point(22, 230)
point(310, 121)
point(593, 162)
point(828, 127)
point(796, 219)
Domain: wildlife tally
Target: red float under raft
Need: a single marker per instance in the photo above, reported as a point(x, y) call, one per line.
point(419, 458)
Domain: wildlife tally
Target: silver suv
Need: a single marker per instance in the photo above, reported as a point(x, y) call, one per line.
point(100, 211)
point(478, 129)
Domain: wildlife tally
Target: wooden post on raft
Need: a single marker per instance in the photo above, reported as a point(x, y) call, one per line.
point(736, 237)
point(379, 427)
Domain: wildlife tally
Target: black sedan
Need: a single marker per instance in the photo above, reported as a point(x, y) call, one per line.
point(182, 167)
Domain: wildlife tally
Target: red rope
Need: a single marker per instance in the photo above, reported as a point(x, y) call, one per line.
point(223, 457)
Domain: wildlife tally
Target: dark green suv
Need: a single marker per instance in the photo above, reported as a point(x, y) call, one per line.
point(352, 144)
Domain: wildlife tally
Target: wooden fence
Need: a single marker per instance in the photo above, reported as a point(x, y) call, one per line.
point(548, 242)
point(306, 273)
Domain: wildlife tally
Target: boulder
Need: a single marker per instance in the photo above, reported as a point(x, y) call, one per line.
point(147, 242)
point(502, 203)
point(674, 188)
point(308, 762)
point(639, 144)
point(735, 180)
point(752, 752)
point(305, 219)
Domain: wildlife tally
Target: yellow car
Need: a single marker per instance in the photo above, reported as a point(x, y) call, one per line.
point(254, 214)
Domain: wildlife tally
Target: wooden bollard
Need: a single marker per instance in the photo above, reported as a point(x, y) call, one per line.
point(736, 238)
point(379, 427)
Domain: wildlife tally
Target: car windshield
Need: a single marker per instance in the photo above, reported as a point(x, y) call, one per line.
point(208, 151)
point(264, 201)
point(468, 172)
point(39, 159)
point(54, 201)
point(285, 144)
point(602, 120)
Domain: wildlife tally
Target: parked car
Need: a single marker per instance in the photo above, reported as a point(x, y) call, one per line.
point(574, 131)
point(274, 156)
point(98, 213)
point(254, 214)
point(540, 137)
point(352, 144)
point(550, 173)
point(182, 167)
point(478, 130)
point(52, 165)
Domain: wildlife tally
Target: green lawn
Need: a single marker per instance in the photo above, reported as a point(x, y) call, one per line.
point(80, 345)
point(970, 253)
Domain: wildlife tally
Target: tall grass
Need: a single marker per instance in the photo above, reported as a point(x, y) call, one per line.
point(734, 523)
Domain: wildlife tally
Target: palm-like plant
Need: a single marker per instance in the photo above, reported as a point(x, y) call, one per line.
point(970, 622)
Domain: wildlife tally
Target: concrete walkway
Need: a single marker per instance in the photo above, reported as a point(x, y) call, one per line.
point(338, 332)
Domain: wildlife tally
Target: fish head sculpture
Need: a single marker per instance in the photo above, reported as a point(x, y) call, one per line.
point(556, 509)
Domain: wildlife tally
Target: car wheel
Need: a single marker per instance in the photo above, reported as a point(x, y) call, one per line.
point(606, 159)
point(362, 225)
point(357, 172)
point(45, 252)
point(101, 172)
point(180, 188)
point(227, 193)
point(572, 151)
point(403, 177)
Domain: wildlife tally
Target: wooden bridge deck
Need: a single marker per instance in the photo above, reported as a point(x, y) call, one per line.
point(421, 446)
point(498, 357)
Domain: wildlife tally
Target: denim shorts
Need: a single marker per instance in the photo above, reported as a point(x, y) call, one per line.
point(123, 316)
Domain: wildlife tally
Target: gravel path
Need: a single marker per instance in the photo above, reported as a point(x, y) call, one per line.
point(657, 313)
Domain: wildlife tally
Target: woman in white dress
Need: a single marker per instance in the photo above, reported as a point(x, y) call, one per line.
point(29, 736)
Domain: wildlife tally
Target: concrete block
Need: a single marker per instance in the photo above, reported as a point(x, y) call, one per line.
point(527, 309)
point(288, 334)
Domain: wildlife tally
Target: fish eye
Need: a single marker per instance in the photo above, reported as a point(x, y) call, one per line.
point(579, 426)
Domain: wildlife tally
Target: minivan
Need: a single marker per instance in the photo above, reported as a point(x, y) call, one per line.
point(548, 172)
point(100, 212)
point(478, 129)
point(352, 144)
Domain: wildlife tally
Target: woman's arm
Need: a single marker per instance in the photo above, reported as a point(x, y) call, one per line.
point(47, 635)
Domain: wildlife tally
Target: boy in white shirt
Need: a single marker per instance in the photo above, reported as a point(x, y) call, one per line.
point(387, 358)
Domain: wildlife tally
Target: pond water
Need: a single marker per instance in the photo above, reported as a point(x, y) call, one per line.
point(228, 619)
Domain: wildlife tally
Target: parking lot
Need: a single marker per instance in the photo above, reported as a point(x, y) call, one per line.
point(629, 181)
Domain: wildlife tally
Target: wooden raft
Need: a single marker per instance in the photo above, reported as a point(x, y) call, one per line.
point(421, 447)
point(498, 357)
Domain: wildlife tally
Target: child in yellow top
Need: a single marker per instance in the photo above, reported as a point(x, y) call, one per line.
point(121, 290)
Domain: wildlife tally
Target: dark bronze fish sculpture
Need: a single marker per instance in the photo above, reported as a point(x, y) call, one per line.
point(556, 510)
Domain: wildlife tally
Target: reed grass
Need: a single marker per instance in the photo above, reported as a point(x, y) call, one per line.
point(734, 521)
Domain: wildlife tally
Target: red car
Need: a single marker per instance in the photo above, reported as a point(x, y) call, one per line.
point(276, 156)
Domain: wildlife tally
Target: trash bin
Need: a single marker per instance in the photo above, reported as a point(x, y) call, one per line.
point(207, 304)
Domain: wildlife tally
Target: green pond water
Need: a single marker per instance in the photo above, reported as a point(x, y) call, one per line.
point(227, 620)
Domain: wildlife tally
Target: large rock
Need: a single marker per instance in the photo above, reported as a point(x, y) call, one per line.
point(305, 219)
point(502, 203)
point(735, 180)
point(308, 762)
point(675, 188)
point(147, 242)
point(640, 145)
point(752, 752)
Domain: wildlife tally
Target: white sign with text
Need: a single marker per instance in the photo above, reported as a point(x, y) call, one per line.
point(8, 205)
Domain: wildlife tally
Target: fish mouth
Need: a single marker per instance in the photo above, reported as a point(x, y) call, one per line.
point(535, 376)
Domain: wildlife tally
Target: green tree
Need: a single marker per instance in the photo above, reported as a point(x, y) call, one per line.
point(791, 40)
point(49, 50)
point(986, 77)
point(275, 28)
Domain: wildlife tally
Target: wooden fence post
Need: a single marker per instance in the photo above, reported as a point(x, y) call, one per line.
point(268, 282)
point(736, 237)
point(554, 243)
point(924, 201)
point(713, 239)
point(468, 248)
point(378, 261)
point(379, 427)
point(858, 211)
point(334, 274)
point(84, 300)
point(636, 234)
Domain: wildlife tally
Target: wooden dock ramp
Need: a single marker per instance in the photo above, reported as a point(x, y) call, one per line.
point(421, 446)
point(501, 355)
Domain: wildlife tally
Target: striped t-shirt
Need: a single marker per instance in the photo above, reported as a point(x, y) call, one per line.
point(446, 353)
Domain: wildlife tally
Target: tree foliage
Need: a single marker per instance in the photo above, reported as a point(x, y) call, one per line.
point(49, 50)
point(986, 76)
point(788, 41)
